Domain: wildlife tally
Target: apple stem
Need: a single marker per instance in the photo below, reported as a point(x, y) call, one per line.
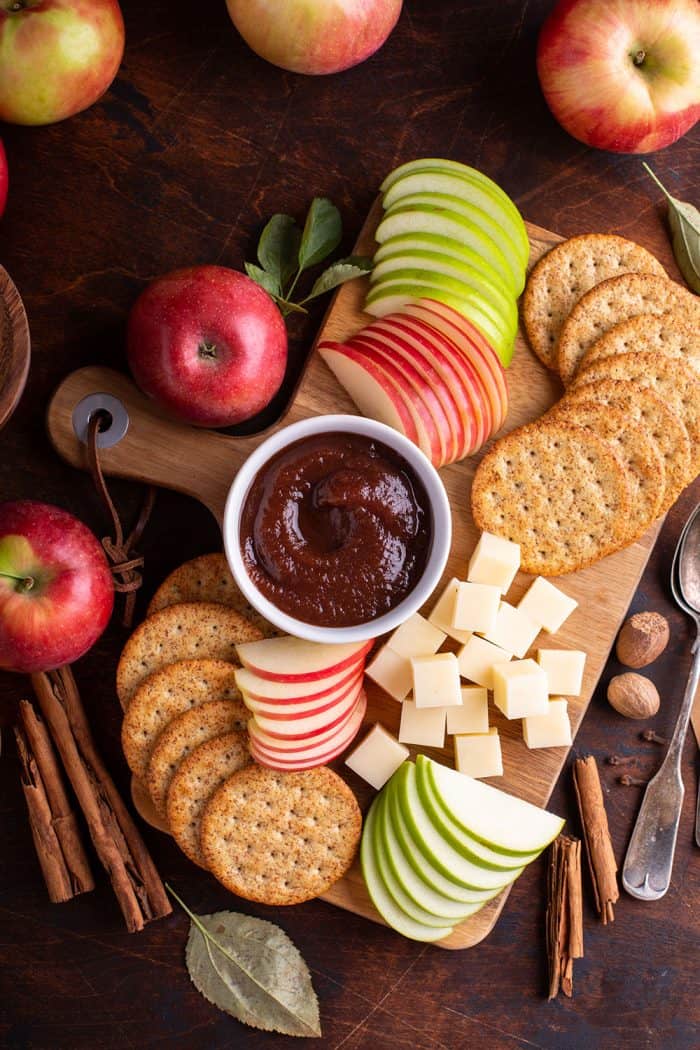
point(207, 350)
point(26, 582)
point(639, 57)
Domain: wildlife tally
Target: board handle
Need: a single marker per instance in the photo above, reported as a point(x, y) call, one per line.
point(141, 443)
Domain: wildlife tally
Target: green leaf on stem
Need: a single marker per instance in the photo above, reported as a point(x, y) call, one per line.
point(278, 247)
point(266, 280)
point(323, 230)
point(338, 273)
point(684, 220)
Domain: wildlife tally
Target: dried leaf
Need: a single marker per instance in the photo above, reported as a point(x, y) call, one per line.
point(266, 280)
point(338, 273)
point(250, 969)
point(278, 247)
point(322, 232)
point(684, 220)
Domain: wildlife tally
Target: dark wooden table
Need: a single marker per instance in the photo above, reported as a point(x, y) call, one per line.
point(195, 145)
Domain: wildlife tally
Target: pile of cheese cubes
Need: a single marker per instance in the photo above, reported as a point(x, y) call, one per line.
point(494, 638)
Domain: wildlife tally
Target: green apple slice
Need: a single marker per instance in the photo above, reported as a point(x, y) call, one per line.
point(430, 218)
point(472, 188)
point(437, 164)
point(499, 820)
point(462, 841)
point(407, 243)
point(380, 896)
point(436, 848)
point(492, 229)
point(393, 255)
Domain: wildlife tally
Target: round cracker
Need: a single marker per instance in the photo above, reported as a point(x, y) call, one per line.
point(188, 631)
point(566, 273)
point(280, 838)
point(557, 490)
point(642, 405)
point(168, 693)
point(195, 780)
point(184, 734)
point(671, 334)
point(611, 302)
point(207, 579)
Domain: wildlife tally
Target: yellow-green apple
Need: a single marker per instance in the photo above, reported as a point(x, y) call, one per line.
point(622, 75)
point(3, 178)
point(56, 589)
point(57, 57)
point(314, 36)
point(208, 344)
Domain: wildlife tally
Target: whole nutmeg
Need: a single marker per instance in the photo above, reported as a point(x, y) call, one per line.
point(643, 637)
point(633, 695)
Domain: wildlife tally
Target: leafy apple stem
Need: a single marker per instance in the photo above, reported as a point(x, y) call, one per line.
point(657, 180)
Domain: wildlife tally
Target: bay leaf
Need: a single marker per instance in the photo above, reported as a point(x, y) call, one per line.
point(322, 232)
point(250, 968)
point(684, 220)
point(338, 273)
point(278, 247)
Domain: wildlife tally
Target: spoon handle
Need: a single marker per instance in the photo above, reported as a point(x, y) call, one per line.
point(646, 873)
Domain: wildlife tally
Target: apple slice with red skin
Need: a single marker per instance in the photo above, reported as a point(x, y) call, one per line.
point(471, 391)
point(287, 711)
point(314, 756)
point(302, 728)
point(368, 386)
point(269, 692)
point(427, 386)
point(284, 744)
point(288, 659)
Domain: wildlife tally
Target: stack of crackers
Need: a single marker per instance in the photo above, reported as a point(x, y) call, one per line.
point(269, 836)
point(616, 451)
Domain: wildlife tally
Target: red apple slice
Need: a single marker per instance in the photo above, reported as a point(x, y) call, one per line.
point(269, 692)
point(368, 386)
point(287, 711)
point(308, 726)
point(313, 756)
point(288, 659)
point(284, 744)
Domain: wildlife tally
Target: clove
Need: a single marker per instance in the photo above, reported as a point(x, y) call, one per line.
point(621, 760)
point(652, 737)
point(629, 781)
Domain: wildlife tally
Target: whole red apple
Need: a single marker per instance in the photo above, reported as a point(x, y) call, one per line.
point(314, 36)
point(4, 179)
point(208, 344)
point(56, 589)
point(56, 57)
point(622, 75)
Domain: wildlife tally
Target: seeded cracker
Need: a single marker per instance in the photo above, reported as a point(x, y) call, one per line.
point(565, 274)
point(673, 334)
point(281, 838)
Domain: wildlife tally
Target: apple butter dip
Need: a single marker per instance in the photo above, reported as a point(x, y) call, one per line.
point(336, 529)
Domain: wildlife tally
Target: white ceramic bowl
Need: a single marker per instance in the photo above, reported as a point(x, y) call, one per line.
point(441, 527)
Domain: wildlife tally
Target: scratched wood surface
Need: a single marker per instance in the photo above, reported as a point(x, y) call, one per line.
point(196, 144)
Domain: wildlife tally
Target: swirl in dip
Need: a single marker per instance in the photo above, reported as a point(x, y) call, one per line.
point(336, 529)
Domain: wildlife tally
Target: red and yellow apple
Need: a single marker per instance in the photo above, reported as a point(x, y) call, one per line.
point(314, 36)
point(208, 344)
point(56, 588)
point(57, 57)
point(622, 75)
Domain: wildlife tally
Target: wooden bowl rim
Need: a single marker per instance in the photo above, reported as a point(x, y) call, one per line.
point(13, 381)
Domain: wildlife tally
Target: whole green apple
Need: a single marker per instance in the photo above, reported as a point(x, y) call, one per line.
point(57, 57)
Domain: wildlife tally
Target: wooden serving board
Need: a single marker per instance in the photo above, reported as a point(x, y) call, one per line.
point(202, 464)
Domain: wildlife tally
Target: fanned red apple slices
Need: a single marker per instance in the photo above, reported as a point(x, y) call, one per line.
point(427, 372)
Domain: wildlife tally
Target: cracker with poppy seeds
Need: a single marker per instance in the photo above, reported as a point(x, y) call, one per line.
point(188, 631)
point(183, 735)
point(673, 334)
point(280, 837)
point(565, 274)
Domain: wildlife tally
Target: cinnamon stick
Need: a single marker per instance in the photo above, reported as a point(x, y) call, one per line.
point(596, 832)
point(135, 880)
point(564, 914)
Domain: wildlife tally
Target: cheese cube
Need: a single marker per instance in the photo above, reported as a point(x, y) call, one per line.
point(378, 757)
point(472, 716)
point(479, 755)
point(392, 672)
point(416, 637)
point(476, 659)
point(564, 670)
point(547, 605)
point(422, 725)
point(495, 561)
point(436, 680)
point(443, 613)
point(476, 606)
point(520, 689)
point(550, 730)
point(513, 630)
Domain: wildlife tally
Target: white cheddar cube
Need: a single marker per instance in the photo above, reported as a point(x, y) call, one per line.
point(422, 725)
point(520, 689)
point(476, 659)
point(550, 730)
point(547, 605)
point(416, 637)
point(495, 561)
point(378, 757)
point(476, 606)
point(443, 613)
point(472, 716)
point(392, 672)
point(564, 670)
point(513, 630)
point(479, 755)
point(436, 680)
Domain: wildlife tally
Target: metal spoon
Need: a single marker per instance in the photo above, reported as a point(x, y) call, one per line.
point(646, 873)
